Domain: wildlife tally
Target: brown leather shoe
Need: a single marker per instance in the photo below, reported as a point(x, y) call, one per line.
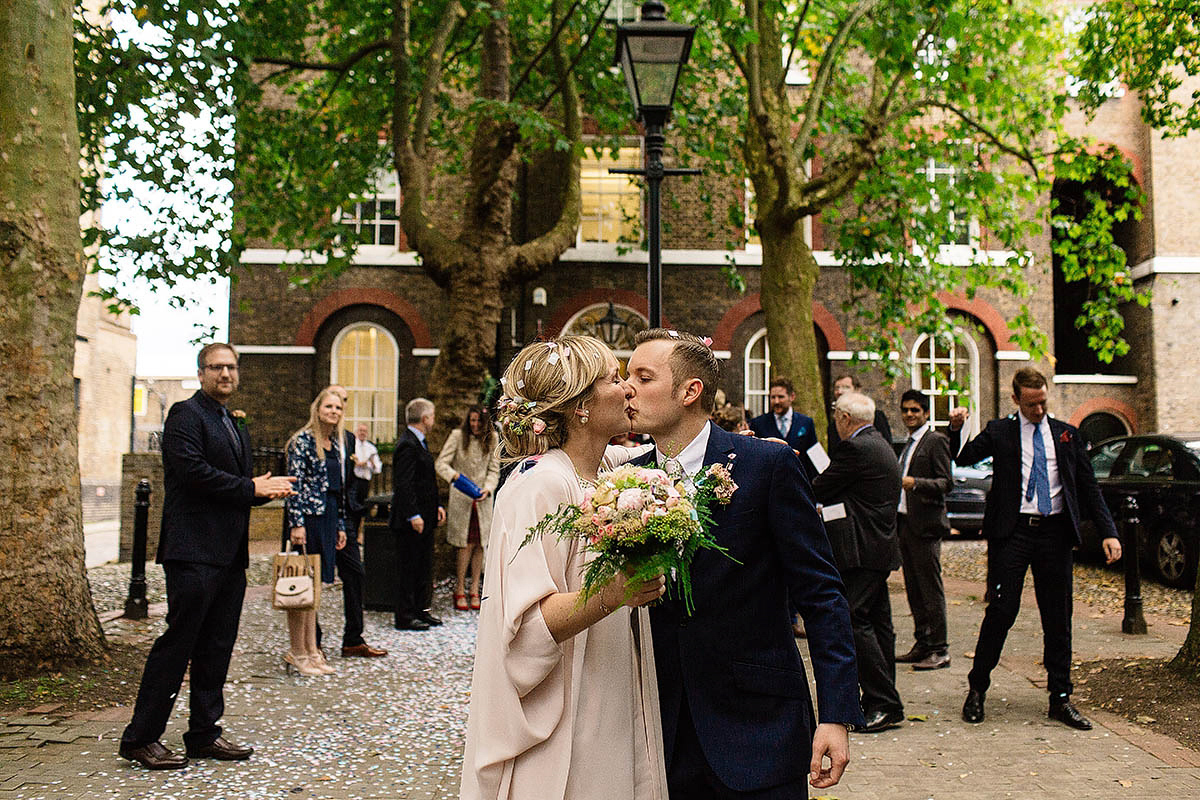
point(363, 650)
point(221, 750)
point(153, 756)
point(917, 653)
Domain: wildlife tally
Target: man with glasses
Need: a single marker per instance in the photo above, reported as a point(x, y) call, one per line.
point(921, 522)
point(204, 549)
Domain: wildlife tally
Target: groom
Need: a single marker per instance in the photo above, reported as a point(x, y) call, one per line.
point(737, 717)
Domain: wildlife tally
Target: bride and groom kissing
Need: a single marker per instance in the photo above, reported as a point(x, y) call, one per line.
point(609, 696)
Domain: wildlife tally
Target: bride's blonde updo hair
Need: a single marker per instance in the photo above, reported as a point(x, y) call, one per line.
point(543, 387)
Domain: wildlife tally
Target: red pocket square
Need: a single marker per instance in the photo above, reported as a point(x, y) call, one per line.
point(1066, 437)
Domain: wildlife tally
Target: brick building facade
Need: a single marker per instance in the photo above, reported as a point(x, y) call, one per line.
point(376, 327)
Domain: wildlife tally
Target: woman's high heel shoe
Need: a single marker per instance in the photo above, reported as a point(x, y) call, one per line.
point(301, 664)
point(474, 602)
point(317, 661)
point(460, 602)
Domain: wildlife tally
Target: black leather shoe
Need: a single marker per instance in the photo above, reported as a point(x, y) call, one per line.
point(1069, 715)
point(415, 624)
point(933, 661)
point(429, 619)
point(882, 720)
point(221, 750)
point(914, 655)
point(153, 756)
point(973, 707)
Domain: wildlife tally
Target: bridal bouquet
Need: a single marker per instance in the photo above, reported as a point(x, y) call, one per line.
point(640, 521)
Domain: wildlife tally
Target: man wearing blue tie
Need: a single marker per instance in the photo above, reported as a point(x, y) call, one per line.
point(782, 422)
point(1042, 486)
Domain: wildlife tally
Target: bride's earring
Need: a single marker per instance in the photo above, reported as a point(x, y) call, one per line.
point(583, 415)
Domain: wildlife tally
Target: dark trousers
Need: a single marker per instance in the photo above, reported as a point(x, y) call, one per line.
point(414, 571)
point(921, 561)
point(204, 606)
point(356, 502)
point(689, 776)
point(874, 639)
point(350, 570)
point(1047, 550)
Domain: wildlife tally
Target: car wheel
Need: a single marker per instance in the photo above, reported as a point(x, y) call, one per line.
point(1174, 560)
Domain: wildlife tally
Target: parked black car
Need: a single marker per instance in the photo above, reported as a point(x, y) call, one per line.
point(968, 497)
point(1163, 474)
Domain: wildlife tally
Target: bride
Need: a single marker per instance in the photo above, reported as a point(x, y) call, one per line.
point(563, 700)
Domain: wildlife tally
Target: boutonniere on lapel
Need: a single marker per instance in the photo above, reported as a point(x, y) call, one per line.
point(239, 418)
point(1065, 438)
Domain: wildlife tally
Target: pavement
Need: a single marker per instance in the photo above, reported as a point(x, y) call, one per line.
point(101, 540)
point(393, 727)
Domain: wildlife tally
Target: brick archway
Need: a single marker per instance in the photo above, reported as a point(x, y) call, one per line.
point(835, 337)
point(1107, 405)
point(986, 313)
point(327, 306)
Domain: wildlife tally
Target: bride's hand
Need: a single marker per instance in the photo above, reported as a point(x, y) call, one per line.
point(613, 596)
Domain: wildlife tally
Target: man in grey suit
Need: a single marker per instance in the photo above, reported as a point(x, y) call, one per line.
point(864, 476)
point(921, 523)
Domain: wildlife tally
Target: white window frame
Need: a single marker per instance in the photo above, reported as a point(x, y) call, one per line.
point(749, 363)
point(915, 362)
point(334, 362)
point(602, 153)
point(387, 188)
point(932, 169)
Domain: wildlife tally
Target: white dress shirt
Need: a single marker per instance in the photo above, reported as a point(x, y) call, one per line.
point(1056, 498)
point(915, 437)
point(368, 462)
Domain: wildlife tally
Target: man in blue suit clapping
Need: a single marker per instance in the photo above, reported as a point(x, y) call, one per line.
point(737, 716)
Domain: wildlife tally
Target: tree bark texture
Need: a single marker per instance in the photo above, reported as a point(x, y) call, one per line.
point(1187, 660)
point(46, 612)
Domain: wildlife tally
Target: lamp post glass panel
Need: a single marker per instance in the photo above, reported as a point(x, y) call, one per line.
point(652, 53)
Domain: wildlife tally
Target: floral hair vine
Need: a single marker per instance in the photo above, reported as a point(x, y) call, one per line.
point(510, 408)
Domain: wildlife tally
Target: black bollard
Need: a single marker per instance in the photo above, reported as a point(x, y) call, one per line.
point(1134, 621)
point(135, 604)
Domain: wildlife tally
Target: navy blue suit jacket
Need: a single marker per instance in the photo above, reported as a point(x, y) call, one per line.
point(207, 486)
point(414, 484)
point(801, 435)
point(1001, 440)
point(736, 661)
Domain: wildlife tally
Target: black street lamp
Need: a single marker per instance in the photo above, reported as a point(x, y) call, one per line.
point(611, 327)
point(652, 53)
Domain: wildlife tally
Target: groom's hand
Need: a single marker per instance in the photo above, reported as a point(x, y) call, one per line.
point(831, 741)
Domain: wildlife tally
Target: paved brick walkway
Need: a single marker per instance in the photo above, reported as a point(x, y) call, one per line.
point(392, 728)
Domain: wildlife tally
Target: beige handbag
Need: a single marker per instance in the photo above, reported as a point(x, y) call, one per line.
point(296, 587)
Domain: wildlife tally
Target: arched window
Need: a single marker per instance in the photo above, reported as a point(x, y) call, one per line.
point(757, 371)
point(365, 360)
point(613, 324)
point(1101, 425)
point(948, 371)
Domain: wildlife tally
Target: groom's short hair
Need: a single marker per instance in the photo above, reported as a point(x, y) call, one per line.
point(690, 358)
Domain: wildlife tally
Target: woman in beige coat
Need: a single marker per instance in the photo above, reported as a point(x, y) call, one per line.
point(470, 450)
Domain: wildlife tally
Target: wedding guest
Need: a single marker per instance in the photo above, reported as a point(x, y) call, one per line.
point(563, 699)
point(729, 417)
point(349, 559)
point(864, 477)
point(315, 516)
point(367, 464)
point(204, 551)
point(471, 450)
point(1042, 487)
point(781, 421)
point(415, 515)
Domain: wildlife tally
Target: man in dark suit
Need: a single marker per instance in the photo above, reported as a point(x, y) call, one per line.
point(850, 383)
point(782, 422)
point(204, 550)
point(737, 717)
point(1042, 486)
point(349, 559)
point(921, 523)
point(864, 478)
point(415, 514)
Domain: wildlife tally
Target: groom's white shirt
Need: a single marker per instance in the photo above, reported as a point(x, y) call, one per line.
point(690, 458)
